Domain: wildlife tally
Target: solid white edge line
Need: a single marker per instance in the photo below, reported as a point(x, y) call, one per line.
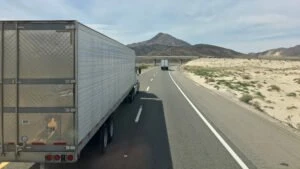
point(223, 142)
point(147, 88)
point(138, 114)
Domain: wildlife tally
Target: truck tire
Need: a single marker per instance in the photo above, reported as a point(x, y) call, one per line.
point(130, 96)
point(103, 140)
point(110, 129)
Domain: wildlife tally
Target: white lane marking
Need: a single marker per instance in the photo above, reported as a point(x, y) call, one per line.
point(138, 114)
point(151, 79)
point(223, 142)
point(147, 89)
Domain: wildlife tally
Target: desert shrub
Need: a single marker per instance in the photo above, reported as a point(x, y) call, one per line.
point(246, 77)
point(297, 80)
point(274, 87)
point(289, 118)
point(246, 98)
point(270, 107)
point(269, 101)
point(259, 85)
point(206, 72)
point(217, 87)
point(291, 107)
point(292, 94)
point(260, 95)
point(257, 106)
point(208, 80)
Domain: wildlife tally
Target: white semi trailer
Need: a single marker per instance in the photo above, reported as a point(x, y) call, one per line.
point(60, 81)
point(164, 64)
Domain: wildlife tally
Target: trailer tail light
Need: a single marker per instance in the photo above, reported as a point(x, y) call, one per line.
point(38, 143)
point(70, 157)
point(60, 143)
point(57, 157)
point(48, 157)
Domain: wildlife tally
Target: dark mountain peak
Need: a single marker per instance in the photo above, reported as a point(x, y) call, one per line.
point(161, 39)
point(161, 35)
point(168, 40)
point(163, 44)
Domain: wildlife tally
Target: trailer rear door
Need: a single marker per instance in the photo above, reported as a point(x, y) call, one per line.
point(37, 86)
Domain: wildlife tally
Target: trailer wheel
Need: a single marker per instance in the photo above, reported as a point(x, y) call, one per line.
point(110, 128)
point(103, 141)
point(131, 98)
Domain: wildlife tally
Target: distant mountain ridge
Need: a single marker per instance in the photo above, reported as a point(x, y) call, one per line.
point(164, 44)
point(279, 52)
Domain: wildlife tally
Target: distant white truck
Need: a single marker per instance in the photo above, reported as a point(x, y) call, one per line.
point(164, 64)
point(60, 82)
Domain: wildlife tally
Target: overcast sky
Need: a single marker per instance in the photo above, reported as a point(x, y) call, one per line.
point(242, 25)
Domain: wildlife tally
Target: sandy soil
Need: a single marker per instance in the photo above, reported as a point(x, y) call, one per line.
point(272, 86)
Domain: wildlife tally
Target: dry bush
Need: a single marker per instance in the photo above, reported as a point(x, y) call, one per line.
point(246, 77)
point(259, 85)
point(274, 87)
point(291, 107)
point(246, 98)
point(217, 87)
point(208, 80)
point(297, 80)
point(292, 94)
point(270, 107)
point(257, 106)
point(260, 95)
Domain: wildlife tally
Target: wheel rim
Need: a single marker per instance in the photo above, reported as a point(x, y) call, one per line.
point(105, 139)
point(111, 129)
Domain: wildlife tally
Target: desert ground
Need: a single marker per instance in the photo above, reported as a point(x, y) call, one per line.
point(270, 86)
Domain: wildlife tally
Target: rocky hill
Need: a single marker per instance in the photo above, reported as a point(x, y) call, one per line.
point(161, 39)
point(166, 45)
point(279, 52)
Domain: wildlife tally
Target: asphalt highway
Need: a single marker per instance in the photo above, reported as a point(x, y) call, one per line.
point(176, 124)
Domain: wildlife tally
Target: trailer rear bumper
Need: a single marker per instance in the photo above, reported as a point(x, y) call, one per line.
point(40, 157)
point(164, 68)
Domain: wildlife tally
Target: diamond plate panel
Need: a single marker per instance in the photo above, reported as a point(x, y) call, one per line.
point(46, 54)
point(10, 54)
point(47, 128)
point(9, 95)
point(10, 127)
point(46, 96)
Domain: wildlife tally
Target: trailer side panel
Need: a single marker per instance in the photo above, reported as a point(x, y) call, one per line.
point(106, 73)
